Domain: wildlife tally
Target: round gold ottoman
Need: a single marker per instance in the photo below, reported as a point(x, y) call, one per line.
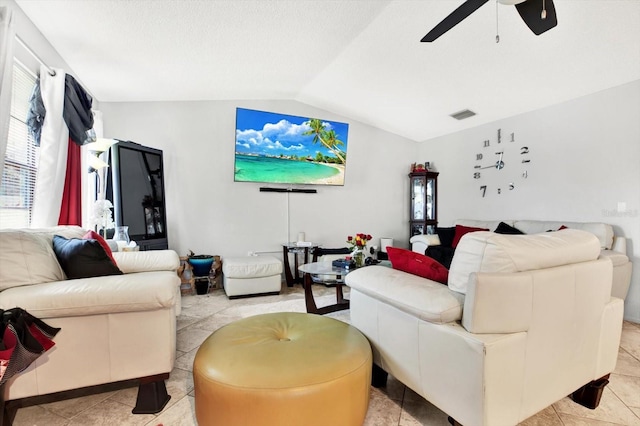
point(283, 369)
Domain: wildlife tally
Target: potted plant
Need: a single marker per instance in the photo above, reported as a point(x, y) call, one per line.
point(200, 267)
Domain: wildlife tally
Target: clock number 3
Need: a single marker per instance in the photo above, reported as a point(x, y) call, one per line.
point(483, 188)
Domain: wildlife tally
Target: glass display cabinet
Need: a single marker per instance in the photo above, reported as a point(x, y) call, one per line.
point(423, 210)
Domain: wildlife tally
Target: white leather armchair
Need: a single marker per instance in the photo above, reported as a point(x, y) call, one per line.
point(523, 322)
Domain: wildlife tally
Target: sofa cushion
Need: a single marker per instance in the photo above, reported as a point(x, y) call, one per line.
point(491, 252)
point(67, 231)
point(446, 235)
point(417, 264)
point(491, 225)
point(504, 228)
point(251, 267)
point(603, 231)
point(461, 231)
point(26, 258)
point(442, 254)
point(81, 258)
point(421, 297)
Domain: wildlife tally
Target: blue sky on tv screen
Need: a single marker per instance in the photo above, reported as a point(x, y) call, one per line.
point(273, 134)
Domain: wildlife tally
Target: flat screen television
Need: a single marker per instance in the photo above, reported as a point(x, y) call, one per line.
point(288, 149)
point(135, 186)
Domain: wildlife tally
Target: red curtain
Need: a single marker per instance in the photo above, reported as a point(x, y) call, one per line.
point(71, 209)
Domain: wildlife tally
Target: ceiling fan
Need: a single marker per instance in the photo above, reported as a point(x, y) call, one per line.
point(539, 15)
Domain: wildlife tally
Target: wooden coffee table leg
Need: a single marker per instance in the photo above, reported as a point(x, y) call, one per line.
point(287, 269)
point(310, 302)
point(308, 295)
point(339, 295)
point(296, 276)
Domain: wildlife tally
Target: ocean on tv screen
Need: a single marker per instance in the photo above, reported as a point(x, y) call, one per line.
point(253, 168)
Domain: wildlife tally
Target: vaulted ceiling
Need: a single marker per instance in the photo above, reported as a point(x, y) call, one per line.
point(358, 58)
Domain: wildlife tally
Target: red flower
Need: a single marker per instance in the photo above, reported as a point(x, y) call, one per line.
point(359, 242)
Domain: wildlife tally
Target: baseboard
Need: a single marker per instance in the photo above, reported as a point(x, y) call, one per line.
point(12, 406)
point(244, 296)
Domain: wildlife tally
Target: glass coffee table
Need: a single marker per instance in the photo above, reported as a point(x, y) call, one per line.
point(325, 273)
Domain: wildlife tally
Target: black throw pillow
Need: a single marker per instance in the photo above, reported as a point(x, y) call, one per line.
point(504, 228)
point(442, 254)
point(446, 236)
point(83, 258)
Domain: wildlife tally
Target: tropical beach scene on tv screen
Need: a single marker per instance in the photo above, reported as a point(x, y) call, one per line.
point(280, 148)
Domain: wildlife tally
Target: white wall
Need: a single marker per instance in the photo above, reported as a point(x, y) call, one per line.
point(585, 160)
point(210, 213)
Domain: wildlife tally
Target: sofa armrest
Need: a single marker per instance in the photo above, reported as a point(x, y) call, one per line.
point(146, 261)
point(619, 245)
point(420, 297)
point(419, 243)
point(498, 303)
point(97, 295)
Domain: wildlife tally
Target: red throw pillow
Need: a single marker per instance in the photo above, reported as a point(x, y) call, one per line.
point(91, 235)
point(417, 264)
point(461, 230)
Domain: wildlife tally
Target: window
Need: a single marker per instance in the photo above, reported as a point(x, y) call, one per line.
point(21, 157)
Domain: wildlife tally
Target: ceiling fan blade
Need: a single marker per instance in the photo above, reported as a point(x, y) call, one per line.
point(531, 10)
point(466, 9)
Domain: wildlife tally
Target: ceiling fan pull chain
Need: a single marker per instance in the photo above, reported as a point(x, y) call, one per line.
point(497, 29)
point(543, 14)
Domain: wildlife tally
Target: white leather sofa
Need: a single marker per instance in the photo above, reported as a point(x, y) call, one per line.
point(113, 328)
point(523, 322)
point(612, 246)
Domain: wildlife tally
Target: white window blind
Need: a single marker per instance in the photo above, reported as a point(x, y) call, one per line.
point(21, 157)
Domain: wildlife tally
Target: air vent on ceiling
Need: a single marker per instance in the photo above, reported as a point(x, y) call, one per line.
point(461, 115)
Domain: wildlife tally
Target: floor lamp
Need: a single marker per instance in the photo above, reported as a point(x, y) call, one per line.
point(102, 216)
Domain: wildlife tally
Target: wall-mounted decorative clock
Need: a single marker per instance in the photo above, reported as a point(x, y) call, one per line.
point(496, 164)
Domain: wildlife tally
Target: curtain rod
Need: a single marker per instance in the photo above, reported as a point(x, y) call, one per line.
point(52, 72)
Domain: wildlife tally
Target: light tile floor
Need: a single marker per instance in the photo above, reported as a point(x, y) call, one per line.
point(393, 405)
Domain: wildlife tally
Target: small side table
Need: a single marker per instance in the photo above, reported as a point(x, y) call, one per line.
point(188, 280)
point(295, 249)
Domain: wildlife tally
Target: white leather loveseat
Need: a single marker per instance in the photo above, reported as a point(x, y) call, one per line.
point(113, 328)
point(611, 245)
point(524, 321)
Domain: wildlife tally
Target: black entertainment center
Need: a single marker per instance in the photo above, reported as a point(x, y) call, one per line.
point(135, 186)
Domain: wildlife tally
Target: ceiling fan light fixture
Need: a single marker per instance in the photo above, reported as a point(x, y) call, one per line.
point(461, 115)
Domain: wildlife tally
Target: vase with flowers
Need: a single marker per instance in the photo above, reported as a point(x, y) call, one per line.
point(358, 245)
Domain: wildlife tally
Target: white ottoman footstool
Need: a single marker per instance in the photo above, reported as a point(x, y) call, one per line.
point(252, 275)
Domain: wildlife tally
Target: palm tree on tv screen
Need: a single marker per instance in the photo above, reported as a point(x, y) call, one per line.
point(327, 138)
